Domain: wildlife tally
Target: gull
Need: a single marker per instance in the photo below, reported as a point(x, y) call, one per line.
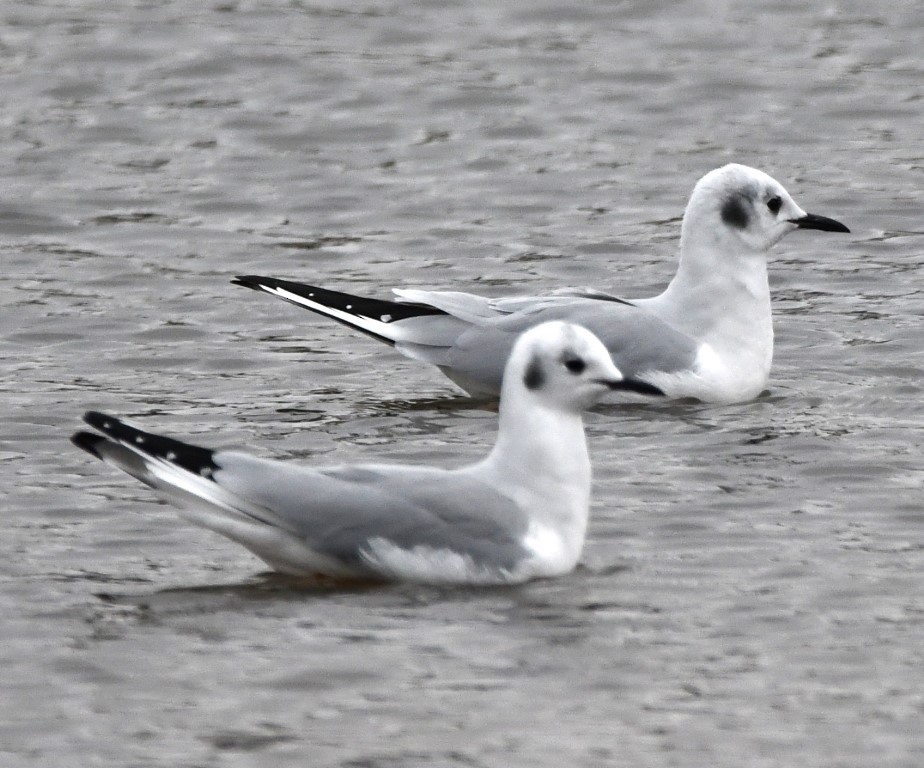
point(519, 513)
point(708, 336)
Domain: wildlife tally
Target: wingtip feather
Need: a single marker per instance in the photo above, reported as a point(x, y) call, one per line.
point(98, 420)
point(88, 441)
point(249, 281)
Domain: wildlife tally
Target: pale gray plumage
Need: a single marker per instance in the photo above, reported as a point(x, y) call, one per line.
point(709, 335)
point(519, 513)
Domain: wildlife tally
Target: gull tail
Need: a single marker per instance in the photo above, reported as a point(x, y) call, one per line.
point(185, 474)
point(141, 454)
point(377, 318)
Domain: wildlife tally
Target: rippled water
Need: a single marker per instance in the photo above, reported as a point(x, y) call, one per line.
point(752, 590)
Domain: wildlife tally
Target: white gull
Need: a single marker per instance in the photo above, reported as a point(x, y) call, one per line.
point(518, 514)
point(709, 335)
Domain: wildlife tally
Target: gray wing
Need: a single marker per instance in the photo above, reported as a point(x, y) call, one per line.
point(476, 309)
point(332, 516)
point(639, 341)
point(338, 510)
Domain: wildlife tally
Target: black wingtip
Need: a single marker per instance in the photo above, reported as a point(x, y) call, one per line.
point(88, 441)
point(192, 458)
point(249, 281)
point(317, 299)
point(99, 420)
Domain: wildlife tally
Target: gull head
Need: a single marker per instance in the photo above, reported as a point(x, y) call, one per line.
point(739, 205)
point(561, 365)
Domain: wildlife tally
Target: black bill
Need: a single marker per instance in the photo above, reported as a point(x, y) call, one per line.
point(814, 221)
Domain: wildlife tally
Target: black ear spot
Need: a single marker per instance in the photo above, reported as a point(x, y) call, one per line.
point(534, 377)
point(734, 213)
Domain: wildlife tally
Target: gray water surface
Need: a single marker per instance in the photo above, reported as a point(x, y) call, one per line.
point(752, 589)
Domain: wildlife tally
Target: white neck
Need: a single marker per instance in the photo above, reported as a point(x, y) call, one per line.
point(720, 294)
point(721, 298)
point(540, 460)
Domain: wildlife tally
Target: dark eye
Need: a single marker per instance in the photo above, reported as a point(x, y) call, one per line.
point(575, 365)
point(774, 204)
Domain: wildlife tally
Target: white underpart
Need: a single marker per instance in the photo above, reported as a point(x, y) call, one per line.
point(429, 565)
point(712, 378)
point(551, 556)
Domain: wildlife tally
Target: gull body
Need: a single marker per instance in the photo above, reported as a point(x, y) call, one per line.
point(519, 513)
point(709, 335)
